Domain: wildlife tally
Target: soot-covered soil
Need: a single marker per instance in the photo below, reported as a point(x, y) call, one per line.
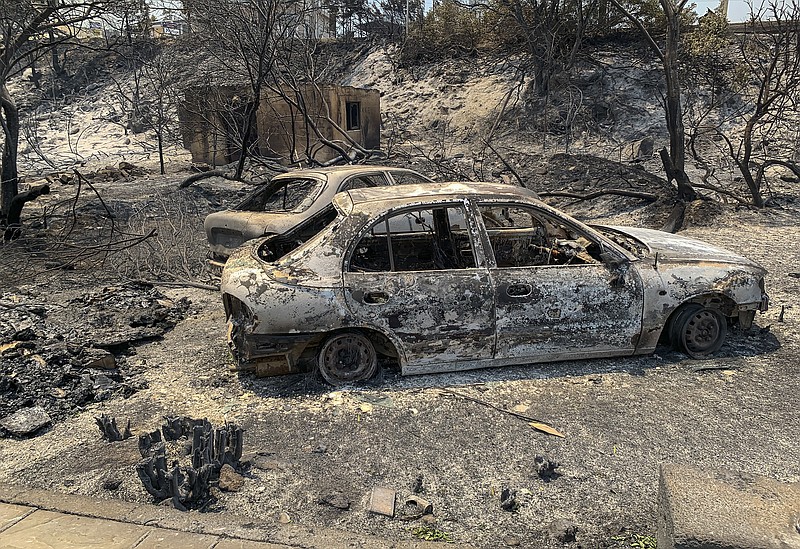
point(316, 453)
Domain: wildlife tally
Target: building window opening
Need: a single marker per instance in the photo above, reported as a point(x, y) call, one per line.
point(353, 115)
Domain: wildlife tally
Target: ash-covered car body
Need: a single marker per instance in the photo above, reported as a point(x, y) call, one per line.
point(453, 276)
point(295, 204)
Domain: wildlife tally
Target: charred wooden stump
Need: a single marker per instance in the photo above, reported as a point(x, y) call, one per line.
point(152, 472)
point(109, 430)
point(188, 487)
point(147, 441)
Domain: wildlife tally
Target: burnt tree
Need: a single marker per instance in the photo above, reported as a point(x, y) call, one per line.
point(28, 31)
point(674, 161)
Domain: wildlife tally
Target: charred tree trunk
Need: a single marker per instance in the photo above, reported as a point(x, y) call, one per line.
point(685, 189)
point(58, 70)
point(677, 138)
point(247, 135)
point(753, 184)
point(15, 209)
point(9, 182)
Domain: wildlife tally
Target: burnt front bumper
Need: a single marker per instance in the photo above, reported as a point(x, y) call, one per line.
point(264, 354)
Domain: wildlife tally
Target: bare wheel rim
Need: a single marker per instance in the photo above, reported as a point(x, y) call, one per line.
point(703, 332)
point(347, 357)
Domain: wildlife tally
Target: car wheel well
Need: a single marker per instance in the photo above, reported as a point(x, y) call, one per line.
point(383, 345)
point(720, 302)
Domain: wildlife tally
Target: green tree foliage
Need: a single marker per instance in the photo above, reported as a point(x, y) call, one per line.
point(708, 58)
point(449, 29)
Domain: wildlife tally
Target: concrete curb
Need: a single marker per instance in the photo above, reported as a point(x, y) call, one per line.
point(223, 525)
point(718, 508)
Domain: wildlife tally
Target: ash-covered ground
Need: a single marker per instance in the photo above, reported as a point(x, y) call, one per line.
point(316, 453)
point(106, 307)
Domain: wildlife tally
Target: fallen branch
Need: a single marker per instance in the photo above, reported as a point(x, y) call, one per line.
point(185, 283)
point(225, 174)
point(533, 422)
point(508, 166)
point(591, 196)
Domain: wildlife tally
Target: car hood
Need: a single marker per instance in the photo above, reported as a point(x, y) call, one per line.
point(675, 248)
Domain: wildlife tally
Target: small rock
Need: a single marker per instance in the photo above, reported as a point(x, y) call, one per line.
point(562, 531)
point(100, 359)
point(25, 421)
point(416, 485)
point(545, 468)
point(508, 499)
point(511, 541)
point(229, 479)
point(337, 500)
point(428, 519)
point(321, 449)
point(284, 518)
point(643, 149)
point(112, 484)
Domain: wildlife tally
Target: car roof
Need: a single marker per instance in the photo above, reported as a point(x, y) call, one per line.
point(364, 198)
point(341, 170)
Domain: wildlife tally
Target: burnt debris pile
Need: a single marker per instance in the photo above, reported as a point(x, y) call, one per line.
point(54, 359)
point(211, 450)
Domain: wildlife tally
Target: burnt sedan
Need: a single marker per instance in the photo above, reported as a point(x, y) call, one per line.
point(454, 276)
point(296, 205)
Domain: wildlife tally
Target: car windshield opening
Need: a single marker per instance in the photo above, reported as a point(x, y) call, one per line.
point(292, 195)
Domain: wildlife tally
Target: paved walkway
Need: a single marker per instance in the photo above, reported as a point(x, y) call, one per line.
point(23, 527)
point(39, 519)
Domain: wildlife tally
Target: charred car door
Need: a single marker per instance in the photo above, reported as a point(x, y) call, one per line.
point(558, 294)
point(414, 276)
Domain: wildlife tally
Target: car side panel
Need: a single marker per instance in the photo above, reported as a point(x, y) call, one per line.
point(439, 316)
point(551, 311)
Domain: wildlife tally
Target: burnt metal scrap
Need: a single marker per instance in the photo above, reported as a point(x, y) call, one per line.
point(188, 487)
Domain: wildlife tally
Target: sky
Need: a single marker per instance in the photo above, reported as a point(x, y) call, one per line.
point(738, 10)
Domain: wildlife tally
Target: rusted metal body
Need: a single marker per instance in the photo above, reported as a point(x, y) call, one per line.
point(515, 281)
point(294, 201)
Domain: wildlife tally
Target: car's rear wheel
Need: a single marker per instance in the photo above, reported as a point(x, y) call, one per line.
point(698, 331)
point(347, 357)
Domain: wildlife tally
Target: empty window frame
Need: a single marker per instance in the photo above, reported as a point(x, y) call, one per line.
point(353, 110)
point(429, 239)
point(522, 237)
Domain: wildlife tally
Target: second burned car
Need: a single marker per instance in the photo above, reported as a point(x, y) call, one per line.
point(296, 205)
point(454, 276)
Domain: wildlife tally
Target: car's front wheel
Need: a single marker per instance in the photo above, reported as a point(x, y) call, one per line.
point(698, 331)
point(347, 357)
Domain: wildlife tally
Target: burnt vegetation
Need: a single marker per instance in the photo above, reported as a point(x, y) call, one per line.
point(93, 241)
point(72, 216)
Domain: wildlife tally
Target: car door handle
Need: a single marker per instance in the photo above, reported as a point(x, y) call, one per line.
point(376, 298)
point(518, 290)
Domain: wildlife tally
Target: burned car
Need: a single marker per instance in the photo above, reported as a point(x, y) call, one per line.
point(296, 204)
point(453, 276)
